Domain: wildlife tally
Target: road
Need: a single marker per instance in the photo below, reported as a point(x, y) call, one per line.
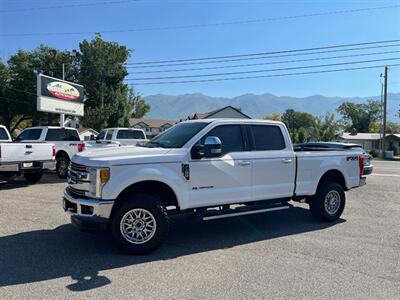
point(285, 254)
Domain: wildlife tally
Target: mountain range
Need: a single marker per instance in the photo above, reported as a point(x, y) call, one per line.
point(175, 107)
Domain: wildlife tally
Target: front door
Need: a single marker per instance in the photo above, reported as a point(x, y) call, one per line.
point(225, 179)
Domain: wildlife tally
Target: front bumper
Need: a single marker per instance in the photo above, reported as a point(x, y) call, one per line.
point(86, 209)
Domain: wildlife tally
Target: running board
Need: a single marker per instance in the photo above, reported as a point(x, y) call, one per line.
point(249, 212)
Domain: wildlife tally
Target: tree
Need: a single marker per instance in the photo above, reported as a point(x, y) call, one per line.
point(326, 128)
point(140, 107)
point(273, 117)
point(102, 72)
point(20, 88)
point(360, 115)
point(300, 125)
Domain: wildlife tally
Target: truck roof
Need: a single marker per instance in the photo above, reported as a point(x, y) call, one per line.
point(49, 127)
point(233, 120)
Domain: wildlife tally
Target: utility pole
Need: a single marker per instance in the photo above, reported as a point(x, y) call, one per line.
point(384, 110)
point(62, 116)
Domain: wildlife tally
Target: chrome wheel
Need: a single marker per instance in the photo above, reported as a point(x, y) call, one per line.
point(138, 226)
point(332, 202)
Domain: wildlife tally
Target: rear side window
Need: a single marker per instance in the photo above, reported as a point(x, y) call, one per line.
point(230, 136)
point(130, 134)
point(60, 134)
point(267, 137)
point(30, 135)
point(101, 135)
point(71, 135)
point(3, 134)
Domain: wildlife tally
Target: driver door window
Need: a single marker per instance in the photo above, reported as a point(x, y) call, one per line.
point(231, 138)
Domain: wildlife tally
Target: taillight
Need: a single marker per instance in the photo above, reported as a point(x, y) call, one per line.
point(81, 147)
point(54, 151)
point(0, 151)
point(361, 164)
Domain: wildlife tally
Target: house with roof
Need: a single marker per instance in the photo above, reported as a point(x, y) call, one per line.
point(85, 134)
point(372, 141)
point(152, 127)
point(224, 112)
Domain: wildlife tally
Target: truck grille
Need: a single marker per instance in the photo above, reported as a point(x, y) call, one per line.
point(77, 167)
point(78, 179)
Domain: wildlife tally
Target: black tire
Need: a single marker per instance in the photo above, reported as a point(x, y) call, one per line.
point(145, 202)
point(33, 177)
point(62, 166)
point(323, 205)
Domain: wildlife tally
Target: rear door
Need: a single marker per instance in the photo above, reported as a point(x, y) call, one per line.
point(273, 162)
point(225, 179)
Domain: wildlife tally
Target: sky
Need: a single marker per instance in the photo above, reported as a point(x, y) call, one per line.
point(21, 17)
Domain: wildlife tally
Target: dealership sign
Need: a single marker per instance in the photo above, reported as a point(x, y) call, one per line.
point(59, 96)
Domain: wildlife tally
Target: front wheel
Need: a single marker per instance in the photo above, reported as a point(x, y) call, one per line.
point(33, 177)
point(139, 225)
point(62, 167)
point(329, 202)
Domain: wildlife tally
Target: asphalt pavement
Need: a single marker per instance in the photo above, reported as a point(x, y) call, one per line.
point(283, 254)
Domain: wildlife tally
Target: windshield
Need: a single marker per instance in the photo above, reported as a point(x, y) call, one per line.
point(177, 136)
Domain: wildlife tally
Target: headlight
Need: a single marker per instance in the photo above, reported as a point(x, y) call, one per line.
point(98, 178)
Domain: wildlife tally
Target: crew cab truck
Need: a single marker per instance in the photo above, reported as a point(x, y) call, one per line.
point(115, 137)
point(20, 158)
point(66, 141)
point(210, 168)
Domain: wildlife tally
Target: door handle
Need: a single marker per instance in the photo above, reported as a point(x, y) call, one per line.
point(244, 163)
point(287, 160)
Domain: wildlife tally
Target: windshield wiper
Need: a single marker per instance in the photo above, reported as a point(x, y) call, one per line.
point(152, 145)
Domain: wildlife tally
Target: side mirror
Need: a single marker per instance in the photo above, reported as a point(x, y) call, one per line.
point(212, 147)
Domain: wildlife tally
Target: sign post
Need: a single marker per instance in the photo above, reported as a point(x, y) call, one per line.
point(59, 96)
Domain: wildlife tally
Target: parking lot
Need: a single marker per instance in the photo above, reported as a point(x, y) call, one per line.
point(285, 254)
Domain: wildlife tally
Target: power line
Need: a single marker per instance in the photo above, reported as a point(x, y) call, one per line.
point(264, 76)
point(262, 71)
point(259, 57)
point(266, 63)
point(268, 53)
point(66, 6)
point(194, 26)
point(128, 65)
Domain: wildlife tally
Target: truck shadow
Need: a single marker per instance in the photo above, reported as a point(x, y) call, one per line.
point(20, 182)
point(64, 251)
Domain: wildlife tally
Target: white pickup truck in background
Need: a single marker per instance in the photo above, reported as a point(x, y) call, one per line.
point(28, 159)
point(210, 168)
point(66, 141)
point(115, 137)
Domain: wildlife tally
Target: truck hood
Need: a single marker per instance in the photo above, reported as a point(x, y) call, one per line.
point(127, 155)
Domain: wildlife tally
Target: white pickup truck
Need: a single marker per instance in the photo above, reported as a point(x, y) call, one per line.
point(115, 137)
point(212, 168)
point(66, 141)
point(24, 158)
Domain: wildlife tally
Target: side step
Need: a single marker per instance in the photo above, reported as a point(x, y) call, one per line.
point(240, 211)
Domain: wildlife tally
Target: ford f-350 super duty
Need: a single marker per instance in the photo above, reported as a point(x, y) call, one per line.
point(210, 168)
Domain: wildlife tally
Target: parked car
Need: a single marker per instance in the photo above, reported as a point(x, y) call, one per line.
point(368, 167)
point(114, 137)
point(28, 159)
point(212, 168)
point(66, 141)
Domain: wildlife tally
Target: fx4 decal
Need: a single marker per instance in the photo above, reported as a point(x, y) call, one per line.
point(352, 158)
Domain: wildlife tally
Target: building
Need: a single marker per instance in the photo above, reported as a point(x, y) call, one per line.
point(372, 141)
point(86, 133)
point(151, 127)
point(224, 112)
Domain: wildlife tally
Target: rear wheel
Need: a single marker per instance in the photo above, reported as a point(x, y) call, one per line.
point(329, 202)
point(140, 224)
point(33, 177)
point(62, 166)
